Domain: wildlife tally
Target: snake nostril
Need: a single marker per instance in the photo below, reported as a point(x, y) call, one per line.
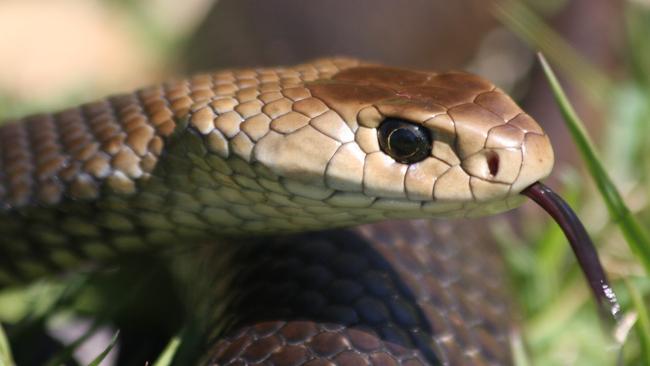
point(493, 163)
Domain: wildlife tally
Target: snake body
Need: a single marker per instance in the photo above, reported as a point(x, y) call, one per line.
point(255, 152)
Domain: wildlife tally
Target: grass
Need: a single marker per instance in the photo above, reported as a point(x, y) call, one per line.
point(636, 235)
point(167, 356)
point(6, 359)
point(643, 323)
point(98, 360)
point(530, 26)
point(561, 326)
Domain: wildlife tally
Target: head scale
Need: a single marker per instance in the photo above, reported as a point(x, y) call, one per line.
point(337, 143)
point(364, 143)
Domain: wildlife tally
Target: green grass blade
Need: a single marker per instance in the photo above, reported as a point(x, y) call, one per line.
point(532, 29)
point(66, 353)
point(6, 359)
point(519, 355)
point(167, 356)
point(635, 235)
point(105, 353)
point(642, 325)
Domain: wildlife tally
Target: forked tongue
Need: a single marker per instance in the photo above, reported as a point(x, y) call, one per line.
point(581, 244)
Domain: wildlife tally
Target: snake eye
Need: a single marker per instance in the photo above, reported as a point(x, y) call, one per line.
point(404, 141)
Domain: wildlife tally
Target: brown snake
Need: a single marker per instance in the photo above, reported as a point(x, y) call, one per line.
point(247, 155)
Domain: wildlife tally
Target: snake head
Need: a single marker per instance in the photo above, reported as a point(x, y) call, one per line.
point(410, 142)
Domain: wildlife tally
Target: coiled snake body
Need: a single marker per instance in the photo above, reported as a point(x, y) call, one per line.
point(247, 155)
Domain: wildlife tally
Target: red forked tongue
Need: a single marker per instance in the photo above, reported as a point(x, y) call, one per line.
point(580, 243)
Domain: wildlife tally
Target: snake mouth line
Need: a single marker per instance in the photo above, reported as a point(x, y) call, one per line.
point(582, 246)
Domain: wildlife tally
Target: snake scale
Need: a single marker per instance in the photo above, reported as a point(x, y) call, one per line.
point(274, 159)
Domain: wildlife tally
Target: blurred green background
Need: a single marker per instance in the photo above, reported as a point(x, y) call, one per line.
point(55, 53)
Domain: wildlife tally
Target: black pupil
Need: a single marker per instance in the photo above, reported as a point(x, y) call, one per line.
point(404, 141)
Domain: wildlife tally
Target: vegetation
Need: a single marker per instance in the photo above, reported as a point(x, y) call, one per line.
point(561, 325)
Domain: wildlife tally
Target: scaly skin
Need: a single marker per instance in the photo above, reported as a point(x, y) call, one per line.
point(397, 293)
point(245, 153)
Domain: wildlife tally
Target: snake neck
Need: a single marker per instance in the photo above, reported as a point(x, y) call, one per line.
point(250, 152)
point(124, 172)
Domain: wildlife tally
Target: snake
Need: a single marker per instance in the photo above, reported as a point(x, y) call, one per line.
point(305, 167)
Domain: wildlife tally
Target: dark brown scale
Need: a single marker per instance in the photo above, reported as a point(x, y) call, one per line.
point(364, 295)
